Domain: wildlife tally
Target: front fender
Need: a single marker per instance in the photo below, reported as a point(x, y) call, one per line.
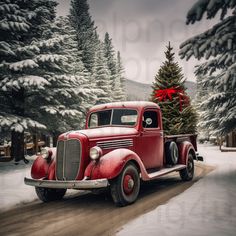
point(41, 168)
point(110, 165)
point(184, 149)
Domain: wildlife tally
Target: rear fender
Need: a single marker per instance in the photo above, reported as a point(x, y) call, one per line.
point(111, 164)
point(184, 149)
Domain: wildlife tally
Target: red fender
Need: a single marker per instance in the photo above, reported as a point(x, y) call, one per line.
point(51, 175)
point(184, 149)
point(111, 164)
point(41, 168)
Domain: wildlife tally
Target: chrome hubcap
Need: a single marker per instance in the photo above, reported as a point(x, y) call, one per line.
point(130, 183)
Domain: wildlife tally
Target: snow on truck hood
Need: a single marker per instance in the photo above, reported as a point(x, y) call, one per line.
point(108, 132)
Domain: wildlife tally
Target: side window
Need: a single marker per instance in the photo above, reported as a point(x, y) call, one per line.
point(150, 119)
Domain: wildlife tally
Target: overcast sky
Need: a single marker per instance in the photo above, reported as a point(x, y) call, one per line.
point(141, 29)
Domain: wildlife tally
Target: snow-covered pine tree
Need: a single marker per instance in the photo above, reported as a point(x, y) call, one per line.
point(119, 92)
point(202, 96)
point(84, 92)
point(33, 87)
point(86, 32)
point(169, 92)
point(19, 23)
point(115, 68)
point(218, 46)
point(101, 74)
point(109, 54)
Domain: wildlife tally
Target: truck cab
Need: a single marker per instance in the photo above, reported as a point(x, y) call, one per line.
point(122, 143)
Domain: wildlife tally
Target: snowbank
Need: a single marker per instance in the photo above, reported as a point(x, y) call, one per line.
point(207, 208)
point(13, 190)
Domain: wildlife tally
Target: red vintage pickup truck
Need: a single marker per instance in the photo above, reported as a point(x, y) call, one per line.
point(122, 144)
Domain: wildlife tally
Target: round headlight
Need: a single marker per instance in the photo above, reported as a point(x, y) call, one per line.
point(95, 153)
point(46, 153)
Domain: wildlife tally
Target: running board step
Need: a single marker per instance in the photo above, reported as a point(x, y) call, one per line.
point(165, 171)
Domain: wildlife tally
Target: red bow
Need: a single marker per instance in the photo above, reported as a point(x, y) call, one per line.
point(164, 94)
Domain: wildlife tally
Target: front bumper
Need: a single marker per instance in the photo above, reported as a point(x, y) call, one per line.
point(83, 184)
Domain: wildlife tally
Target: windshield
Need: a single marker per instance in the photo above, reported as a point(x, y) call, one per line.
point(113, 117)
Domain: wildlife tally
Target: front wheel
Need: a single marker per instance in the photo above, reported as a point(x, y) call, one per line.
point(187, 173)
point(49, 194)
point(125, 188)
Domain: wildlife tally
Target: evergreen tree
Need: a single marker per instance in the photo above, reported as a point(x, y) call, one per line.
point(21, 24)
point(34, 88)
point(86, 32)
point(102, 75)
point(218, 46)
point(201, 96)
point(178, 115)
point(120, 69)
point(84, 93)
point(116, 69)
point(109, 54)
point(119, 92)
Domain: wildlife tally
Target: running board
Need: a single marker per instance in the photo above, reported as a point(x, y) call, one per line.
point(165, 171)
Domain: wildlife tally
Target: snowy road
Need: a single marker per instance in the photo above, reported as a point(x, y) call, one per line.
point(207, 208)
point(87, 214)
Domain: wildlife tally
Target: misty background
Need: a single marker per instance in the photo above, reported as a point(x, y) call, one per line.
point(140, 30)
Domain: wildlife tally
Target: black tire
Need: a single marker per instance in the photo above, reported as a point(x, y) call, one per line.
point(188, 173)
point(171, 153)
point(125, 188)
point(49, 194)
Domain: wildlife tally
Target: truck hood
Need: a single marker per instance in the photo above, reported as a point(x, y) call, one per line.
point(106, 132)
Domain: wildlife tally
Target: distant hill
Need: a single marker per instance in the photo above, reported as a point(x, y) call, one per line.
point(141, 92)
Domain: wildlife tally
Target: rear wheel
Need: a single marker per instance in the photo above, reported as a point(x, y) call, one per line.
point(188, 173)
point(125, 188)
point(49, 194)
point(171, 153)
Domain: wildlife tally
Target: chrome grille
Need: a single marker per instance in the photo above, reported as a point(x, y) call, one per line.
point(68, 159)
point(115, 144)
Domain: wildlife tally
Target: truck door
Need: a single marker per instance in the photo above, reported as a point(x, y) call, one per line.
point(150, 142)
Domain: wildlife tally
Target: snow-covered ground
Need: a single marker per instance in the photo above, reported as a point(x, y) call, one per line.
point(13, 191)
point(207, 208)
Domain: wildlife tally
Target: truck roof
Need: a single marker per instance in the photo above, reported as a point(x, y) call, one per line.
point(130, 104)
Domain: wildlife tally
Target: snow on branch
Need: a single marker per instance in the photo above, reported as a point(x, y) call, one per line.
point(27, 81)
point(14, 26)
point(9, 7)
point(222, 62)
point(24, 64)
point(51, 43)
point(55, 58)
point(210, 7)
point(5, 49)
point(26, 49)
point(32, 80)
point(19, 124)
point(218, 40)
point(61, 110)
